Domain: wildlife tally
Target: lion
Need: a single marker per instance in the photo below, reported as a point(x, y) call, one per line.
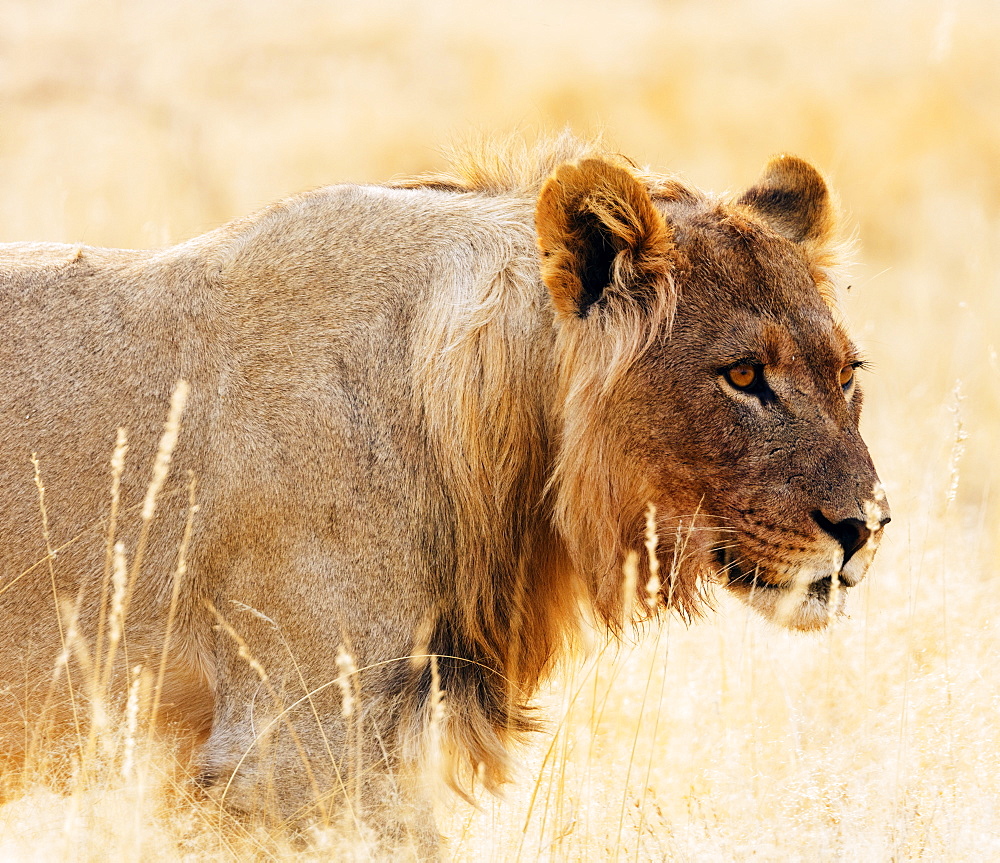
point(424, 432)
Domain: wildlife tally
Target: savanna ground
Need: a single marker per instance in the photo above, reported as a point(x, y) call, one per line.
point(135, 124)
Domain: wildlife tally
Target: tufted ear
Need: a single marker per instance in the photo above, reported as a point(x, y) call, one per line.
point(792, 198)
point(600, 236)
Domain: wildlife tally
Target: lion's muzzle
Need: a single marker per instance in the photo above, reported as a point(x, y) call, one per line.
point(802, 584)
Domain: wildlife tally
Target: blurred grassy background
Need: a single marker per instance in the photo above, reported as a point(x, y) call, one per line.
point(138, 124)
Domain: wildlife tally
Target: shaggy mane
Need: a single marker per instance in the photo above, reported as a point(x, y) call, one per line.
point(545, 508)
point(513, 166)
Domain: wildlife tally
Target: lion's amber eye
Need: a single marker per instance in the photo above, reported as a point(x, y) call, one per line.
point(846, 376)
point(742, 376)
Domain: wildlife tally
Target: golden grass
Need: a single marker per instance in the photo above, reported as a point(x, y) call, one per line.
point(138, 124)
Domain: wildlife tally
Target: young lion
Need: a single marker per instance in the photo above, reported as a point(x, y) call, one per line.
point(425, 425)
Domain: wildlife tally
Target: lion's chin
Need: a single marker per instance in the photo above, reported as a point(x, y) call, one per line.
point(808, 607)
point(809, 604)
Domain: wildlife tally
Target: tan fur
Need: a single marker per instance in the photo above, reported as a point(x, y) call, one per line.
point(426, 420)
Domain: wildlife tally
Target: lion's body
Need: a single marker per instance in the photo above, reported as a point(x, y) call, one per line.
point(403, 445)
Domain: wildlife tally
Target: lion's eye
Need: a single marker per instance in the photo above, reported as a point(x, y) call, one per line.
point(847, 376)
point(742, 376)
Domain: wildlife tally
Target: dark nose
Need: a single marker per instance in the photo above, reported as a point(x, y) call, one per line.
point(851, 533)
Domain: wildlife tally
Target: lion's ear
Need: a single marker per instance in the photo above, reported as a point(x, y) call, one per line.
point(792, 198)
point(600, 236)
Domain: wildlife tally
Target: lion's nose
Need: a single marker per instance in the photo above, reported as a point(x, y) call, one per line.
point(851, 533)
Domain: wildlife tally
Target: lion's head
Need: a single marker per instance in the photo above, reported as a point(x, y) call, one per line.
point(728, 391)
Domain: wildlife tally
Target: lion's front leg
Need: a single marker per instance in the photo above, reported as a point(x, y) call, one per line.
point(305, 738)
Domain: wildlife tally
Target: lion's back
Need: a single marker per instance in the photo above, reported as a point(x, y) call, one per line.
point(295, 330)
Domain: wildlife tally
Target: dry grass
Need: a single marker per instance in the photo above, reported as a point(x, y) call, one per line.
point(138, 124)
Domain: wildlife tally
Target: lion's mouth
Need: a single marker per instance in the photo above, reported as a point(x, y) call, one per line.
point(742, 581)
point(810, 600)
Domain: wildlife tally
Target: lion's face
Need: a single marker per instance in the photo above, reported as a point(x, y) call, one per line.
point(739, 419)
point(760, 387)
